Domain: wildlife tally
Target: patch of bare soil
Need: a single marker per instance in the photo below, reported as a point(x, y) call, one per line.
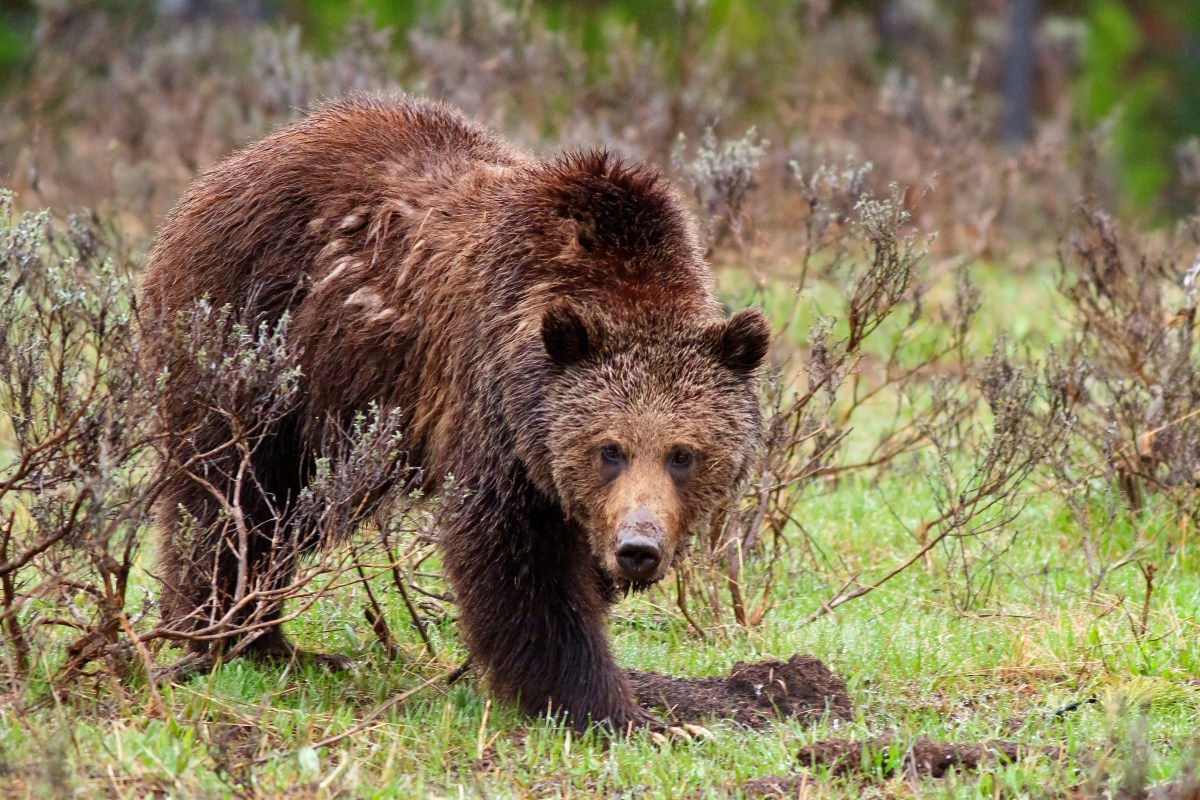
point(922, 756)
point(752, 694)
point(776, 786)
point(1187, 789)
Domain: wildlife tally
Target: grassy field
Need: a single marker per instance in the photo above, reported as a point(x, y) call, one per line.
point(917, 661)
point(914, 666)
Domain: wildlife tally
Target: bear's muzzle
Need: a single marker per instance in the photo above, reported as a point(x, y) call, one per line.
point(639, 548)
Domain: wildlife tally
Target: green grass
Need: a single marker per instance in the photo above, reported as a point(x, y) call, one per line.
point(916, 663)
point(913, 663)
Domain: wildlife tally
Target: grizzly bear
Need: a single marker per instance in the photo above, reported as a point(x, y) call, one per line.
point(549, 332)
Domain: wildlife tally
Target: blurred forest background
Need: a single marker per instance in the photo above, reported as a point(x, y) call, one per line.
point(1121, 75)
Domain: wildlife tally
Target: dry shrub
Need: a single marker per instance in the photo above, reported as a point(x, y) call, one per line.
point(978, 441)
point(1132, 310)
point(249, 379)
point(120, 111)
point(981, 465)
point(74, 493)
point(866, 245)
point(978, 432)
point(85, 459)
point(721, 177)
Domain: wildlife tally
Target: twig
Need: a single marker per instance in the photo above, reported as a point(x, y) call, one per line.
point(841, 598)
point(148, 663)
point(369, 718)
point(458, 672)
point(12, 622)
point(398, 580)
point(374, 612)
point(1148, 571)
point(681, 599)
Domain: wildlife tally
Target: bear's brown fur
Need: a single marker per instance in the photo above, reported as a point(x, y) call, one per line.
point(549, 331)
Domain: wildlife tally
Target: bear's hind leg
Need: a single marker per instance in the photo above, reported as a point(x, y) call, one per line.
point(208, 579)
point(273, 647)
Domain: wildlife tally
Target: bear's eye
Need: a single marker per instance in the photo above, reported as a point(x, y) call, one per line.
point(681, 458)
point(611, 454)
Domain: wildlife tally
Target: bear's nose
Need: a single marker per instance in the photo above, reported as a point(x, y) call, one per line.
point(639, 557)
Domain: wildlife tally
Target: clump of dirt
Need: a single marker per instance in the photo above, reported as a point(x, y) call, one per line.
point(784, 787)
point(752, 694)
point(922, 756)
point(776, 786)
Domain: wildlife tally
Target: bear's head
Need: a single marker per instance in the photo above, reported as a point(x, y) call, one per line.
point(652, 422)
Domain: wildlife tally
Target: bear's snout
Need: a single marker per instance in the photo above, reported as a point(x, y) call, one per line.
point(639, 558)
point(639, 547)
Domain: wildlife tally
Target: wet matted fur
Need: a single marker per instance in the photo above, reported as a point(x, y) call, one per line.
point(548, 331)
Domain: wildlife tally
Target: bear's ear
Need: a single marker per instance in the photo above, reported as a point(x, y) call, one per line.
point(566, 336)
point(744, 340)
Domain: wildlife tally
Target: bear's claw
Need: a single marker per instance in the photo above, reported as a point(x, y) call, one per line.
point(686, 732)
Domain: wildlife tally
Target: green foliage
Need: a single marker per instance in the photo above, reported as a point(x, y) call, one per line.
point(16, 37)
point(324, 20)
point(1141, 68)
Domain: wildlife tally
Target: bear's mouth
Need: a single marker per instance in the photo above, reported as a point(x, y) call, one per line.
point(626, 588)
point(622, 582)
point(626, 582)
point(636, 574)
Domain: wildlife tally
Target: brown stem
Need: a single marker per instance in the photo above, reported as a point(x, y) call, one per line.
point(398, 580)
point(374, 612)
point(842, 597)
point(16, 635)
point(681, 599)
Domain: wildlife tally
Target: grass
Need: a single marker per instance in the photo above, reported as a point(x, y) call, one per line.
point(914, 665)
point(916, 661)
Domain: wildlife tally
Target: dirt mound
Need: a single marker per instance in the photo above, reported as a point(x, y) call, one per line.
point(922, 756)
point(753, 694)
point(777, 786)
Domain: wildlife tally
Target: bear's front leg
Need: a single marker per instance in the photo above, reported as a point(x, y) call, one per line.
point(532, 607)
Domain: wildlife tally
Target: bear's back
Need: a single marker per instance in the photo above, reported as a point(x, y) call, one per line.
point(248, 231)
